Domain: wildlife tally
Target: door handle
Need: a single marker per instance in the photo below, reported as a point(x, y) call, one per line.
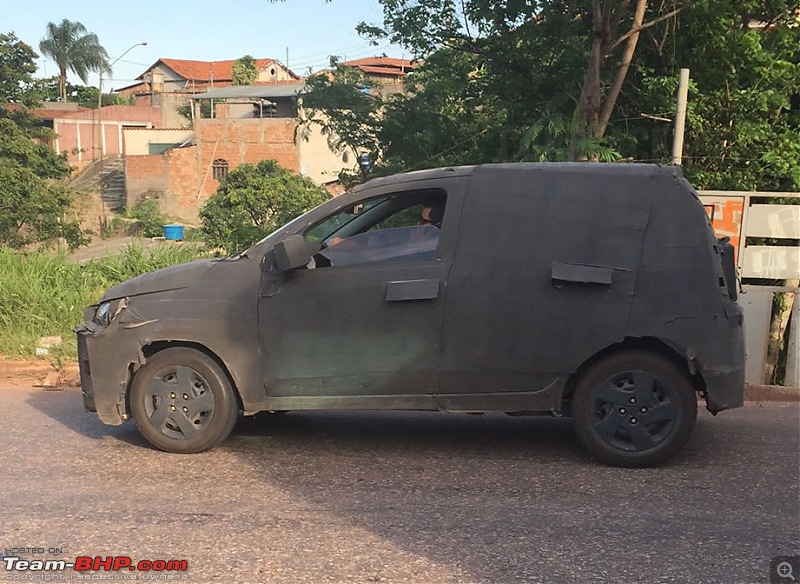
point(402, 290)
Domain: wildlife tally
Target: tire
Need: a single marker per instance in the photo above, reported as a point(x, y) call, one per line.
point(183, 402)
point(634, 409)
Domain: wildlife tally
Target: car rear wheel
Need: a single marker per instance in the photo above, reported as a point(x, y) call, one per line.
point(634, 409)
point(183, 402)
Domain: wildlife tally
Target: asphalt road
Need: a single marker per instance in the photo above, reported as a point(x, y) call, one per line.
point(423, 498)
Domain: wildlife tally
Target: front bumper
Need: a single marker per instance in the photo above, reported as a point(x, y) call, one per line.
point(87, 389)
point(105, 370)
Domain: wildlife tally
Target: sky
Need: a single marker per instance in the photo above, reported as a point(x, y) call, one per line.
point(311, 30)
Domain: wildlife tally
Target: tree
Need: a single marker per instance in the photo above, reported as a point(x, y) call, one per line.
point(520, 63)
point(526, 58)
point(744, 122)
point(186, 111)
point(86, 95)
point(245, 71)
point(338, 102)
point(254, 200)
point(594, 108)
point(73, 48)
point(556, 78)
point(17, 66)
point(33, 205)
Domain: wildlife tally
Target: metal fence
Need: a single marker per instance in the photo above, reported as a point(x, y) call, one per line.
point(749, 219)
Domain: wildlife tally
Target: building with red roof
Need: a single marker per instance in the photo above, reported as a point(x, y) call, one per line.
point(168, 83)
point(189, 76)
point(383, 67)
point(386, 75)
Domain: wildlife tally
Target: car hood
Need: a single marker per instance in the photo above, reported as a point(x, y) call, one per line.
point(169, 278)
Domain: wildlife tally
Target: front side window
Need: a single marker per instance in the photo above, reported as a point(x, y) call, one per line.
point(400, 226)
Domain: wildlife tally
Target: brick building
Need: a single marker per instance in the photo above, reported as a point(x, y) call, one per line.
point(249, 124)
point(183, 177)
point(170, 83)
point(88, 134)
point(386, 74)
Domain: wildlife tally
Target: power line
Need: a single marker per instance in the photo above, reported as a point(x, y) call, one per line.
point(349, 55)
point(314, 56)
point(446, 150)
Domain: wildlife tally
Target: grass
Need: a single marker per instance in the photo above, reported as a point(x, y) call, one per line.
point(44, 294)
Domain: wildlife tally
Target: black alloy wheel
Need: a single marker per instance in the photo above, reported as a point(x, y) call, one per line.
point(634, 408)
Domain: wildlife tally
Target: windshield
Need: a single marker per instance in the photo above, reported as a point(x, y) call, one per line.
point(284, 228)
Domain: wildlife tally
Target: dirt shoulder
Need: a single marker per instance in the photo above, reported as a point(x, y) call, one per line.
point(38, 372)
point(41, 373)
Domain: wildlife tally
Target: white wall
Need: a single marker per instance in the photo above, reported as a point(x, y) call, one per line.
point(756, 302)
point(317, 161)
point(137, 141)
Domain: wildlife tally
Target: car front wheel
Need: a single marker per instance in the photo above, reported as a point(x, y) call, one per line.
point(183, 402)
point(634, 409)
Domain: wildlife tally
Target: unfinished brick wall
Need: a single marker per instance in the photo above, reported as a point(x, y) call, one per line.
point(182, 178)
point(244, 141)
point(146, 176)
point(170, 178)
point(182, 201)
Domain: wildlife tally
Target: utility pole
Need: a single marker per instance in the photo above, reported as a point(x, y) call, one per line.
point(680, 117)
point(100, 93)
point(103, 224)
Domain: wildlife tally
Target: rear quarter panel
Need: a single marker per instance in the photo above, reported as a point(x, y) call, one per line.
point(509, 325)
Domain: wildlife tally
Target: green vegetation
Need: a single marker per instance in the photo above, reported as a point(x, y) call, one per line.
point(45, 294)
point(347, 116)
point(244, 71)
point(33, 204)
point(504, 81)
point(254, 200)
point(17, 66)
point(33, 200)
point(144, 219)
point(86, 95)
point(205, 110)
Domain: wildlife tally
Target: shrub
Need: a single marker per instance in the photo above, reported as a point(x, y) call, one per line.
point(254, 200)
point(143, 219)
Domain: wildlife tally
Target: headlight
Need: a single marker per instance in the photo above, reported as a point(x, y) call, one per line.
point(103, 314)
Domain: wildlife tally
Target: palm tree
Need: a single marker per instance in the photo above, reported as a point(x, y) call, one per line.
point(73, 47)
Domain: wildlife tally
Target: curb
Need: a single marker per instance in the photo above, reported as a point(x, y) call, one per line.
point(771, 393)
point(39, 373)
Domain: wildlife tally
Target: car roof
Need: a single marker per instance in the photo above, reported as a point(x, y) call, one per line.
point(572, 167)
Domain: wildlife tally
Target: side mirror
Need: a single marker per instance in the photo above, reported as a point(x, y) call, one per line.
point(291, 253)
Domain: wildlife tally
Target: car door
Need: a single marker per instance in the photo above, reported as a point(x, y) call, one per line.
point(361, 326)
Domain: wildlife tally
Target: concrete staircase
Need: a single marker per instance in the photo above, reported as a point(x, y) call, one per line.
point(112, 182)
point(106, 177)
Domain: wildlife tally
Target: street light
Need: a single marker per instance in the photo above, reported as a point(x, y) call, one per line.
point(100, 125)
point(100, 91)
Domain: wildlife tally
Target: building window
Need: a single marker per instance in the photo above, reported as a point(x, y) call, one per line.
point(219, 169)
point(265, 109)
